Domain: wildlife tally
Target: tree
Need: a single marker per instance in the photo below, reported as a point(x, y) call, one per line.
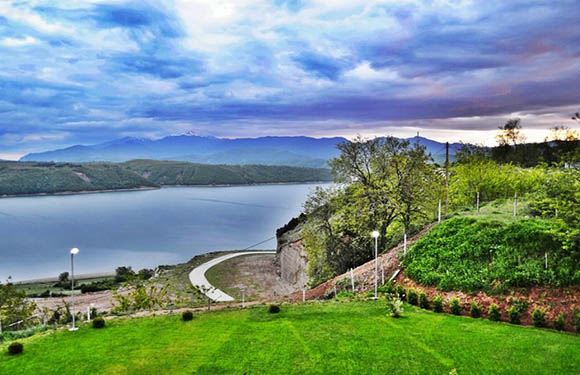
point(63, 277)
point(510, 133)
point(124, 274)
point(576, 117)
point(383, 181)
point(562, 134)
point(13, 305)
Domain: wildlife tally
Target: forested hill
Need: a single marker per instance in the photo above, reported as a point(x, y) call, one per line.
point(21, 178)
point(185, 173)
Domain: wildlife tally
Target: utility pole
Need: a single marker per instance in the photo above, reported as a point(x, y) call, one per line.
point(446, 179)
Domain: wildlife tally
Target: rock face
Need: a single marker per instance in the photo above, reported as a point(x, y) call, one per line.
point(291, 254)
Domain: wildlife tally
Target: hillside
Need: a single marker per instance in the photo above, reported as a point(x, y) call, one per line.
point(20, 178)
point(34, 178)
point(290, 151)
point(184, 173)
point(472, 254)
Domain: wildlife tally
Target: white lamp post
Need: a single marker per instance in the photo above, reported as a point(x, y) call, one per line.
point(375, 235)
point(73, 252)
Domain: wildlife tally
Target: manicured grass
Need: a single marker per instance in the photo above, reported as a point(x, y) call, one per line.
point(317, 338)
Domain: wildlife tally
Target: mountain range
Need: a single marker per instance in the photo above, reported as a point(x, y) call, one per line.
point(291, 151)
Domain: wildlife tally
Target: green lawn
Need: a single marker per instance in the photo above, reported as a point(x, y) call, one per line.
point(318, 338)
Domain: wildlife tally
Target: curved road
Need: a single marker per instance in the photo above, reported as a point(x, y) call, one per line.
point(198, 279)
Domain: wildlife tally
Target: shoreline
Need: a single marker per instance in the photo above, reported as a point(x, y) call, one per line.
point(146, 188)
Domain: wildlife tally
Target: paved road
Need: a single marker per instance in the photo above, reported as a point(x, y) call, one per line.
point(197, 276)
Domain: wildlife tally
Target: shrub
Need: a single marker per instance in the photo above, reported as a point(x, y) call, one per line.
point(274, 309)
point(577, 321)
point(438, 304)
point(186, 316)
point(99, 322)
point(394, 306)
point(15, 348)
point(401, 292)
point(412, 297)
point(514, 315)
point(455, 306)
point(560, 322)
point(494, 313)
point(475, 310)
point(539, 317)
point(423, 301)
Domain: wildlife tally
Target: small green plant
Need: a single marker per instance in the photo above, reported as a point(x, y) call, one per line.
point(274, 309)
point(401, 292)
point(186, 316)
point(494, 313)
point(560, 322)
point(455, 306)
point(475, 310)
point(424, 301)
point(394, 306)
point(438, 304)
point(514, 315)
point(539, 317)
point(15, 348)
point(99, 322)
point(412, 297)
point(577, 321)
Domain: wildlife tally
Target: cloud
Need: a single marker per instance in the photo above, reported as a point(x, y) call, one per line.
point(94, 70)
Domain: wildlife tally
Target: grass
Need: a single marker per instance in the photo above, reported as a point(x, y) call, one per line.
point(227, 275)
point(42, 286)
point(317, 338)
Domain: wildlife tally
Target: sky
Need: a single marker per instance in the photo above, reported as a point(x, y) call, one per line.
point(89, 71)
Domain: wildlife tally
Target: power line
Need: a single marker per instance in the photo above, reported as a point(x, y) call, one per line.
point(259, 243)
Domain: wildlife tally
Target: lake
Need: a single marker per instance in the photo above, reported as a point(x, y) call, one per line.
point(140, 228)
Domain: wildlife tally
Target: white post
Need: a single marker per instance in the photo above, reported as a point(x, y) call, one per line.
point(352, 279)
point(478, 202)
point(73, 252)
point(405, 244)
point(376, 236)
point(243, 298)
point(303, 295)
point(439, 212)
point(546, 259)
point(88, 313)
point(335, 290)
point(383, 273)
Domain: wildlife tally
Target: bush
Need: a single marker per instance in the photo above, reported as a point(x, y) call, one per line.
point(577, 321)
point(494, 313)
point(401, 292)
point(514, 315)
point(274, 309)
point(560, 322)
point(99, 322)
point(475, 310)
point(15, 348)
point(438, 304)
point(539, 317)
point(455, 306)
point(423, 301)
point(412, 297)
point(394, 306)
point(186, 316)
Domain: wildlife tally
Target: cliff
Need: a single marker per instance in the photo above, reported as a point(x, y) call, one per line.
point(290, 253)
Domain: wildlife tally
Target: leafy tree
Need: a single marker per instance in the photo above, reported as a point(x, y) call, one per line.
point(124, 274)
point(13, 305)
point(63, 277)
point(510, 133)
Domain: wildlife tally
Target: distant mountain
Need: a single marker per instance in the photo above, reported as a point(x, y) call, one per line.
point(290, 151)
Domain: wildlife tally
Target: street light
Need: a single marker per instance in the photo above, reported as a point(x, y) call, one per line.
point(375, 235)
point(73, 252)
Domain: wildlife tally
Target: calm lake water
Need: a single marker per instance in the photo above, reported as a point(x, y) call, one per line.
point(141, 228)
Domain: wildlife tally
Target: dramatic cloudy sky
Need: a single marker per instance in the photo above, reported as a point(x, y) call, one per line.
point(86, 71)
